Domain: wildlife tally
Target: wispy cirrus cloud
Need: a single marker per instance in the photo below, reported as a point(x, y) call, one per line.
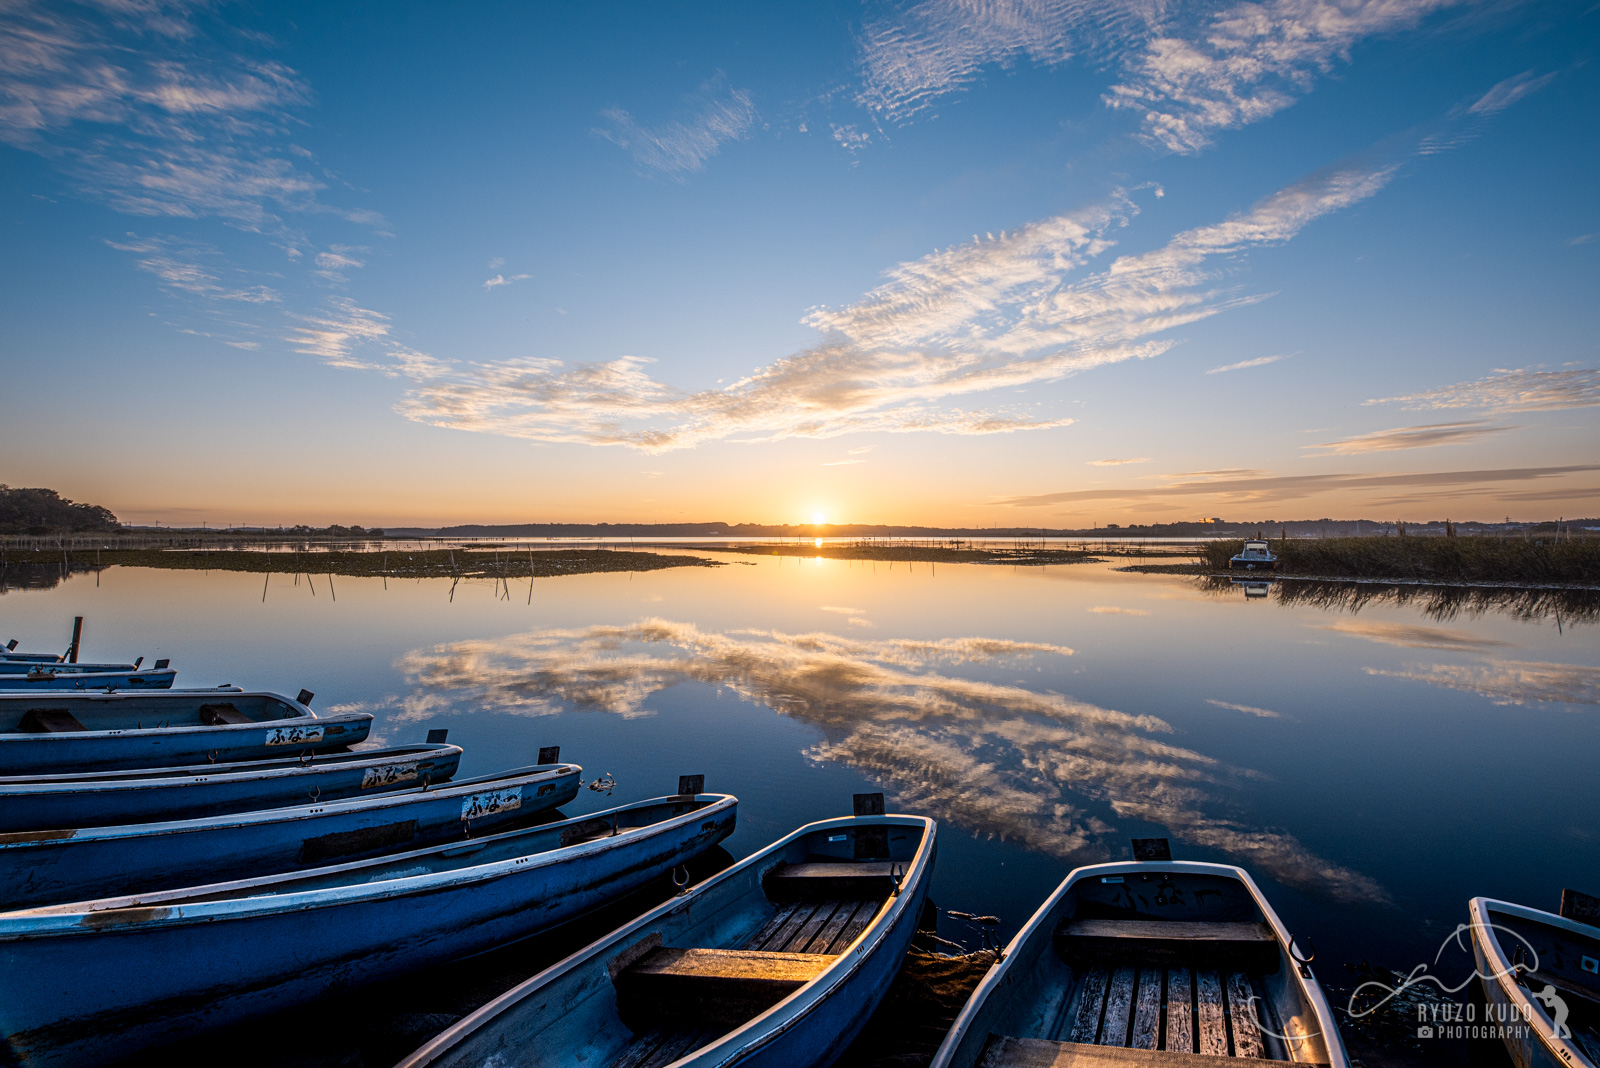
point(1413, 437)
point(1275, 488)
point(501, 280)
point(1509, 92)
point(1520, 390)
point(1247, 62)
point(912, 58)
point(1259, 361)
point(1000, 312)
point(1249, 710)
point(717, 114)
point(148, 115)
point(1120, 462)
point(189, 267)
point(154, 109)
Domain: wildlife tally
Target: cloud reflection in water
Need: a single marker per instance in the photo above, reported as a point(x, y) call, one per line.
point(993, 758)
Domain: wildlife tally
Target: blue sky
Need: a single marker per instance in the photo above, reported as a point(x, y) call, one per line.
point(991, 263)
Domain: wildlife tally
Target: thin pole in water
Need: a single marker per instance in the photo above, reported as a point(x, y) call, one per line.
point(264, 587)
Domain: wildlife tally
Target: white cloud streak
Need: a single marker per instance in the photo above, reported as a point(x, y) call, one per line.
point(1249, 710)
point(1259, 361)
point(1254, 488)
point(1412, 437)
point(1120, 462)
point(501, 280)
point(719, 114)
point(1521, 390)
point(999, 312)
point(1509, 92)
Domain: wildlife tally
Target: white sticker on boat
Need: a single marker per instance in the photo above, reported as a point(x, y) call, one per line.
point(479, 805)
point(1111, 878)
point(838, 837)
point(388, 775)
point(293, 735)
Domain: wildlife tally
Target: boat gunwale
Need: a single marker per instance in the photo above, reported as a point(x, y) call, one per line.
point(758, 1030)
point(1309, 986)
point(49, 920)
point(1486, 938)
point(526, 776)
point(79, 678)
point(230, 772)
point(305, 712)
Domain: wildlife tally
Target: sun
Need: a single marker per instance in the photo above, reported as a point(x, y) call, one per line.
point(818, 518)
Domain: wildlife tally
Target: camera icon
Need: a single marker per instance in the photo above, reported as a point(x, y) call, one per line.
point(1425, 1031)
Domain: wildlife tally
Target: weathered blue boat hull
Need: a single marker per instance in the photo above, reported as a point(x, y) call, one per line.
point(54, 677)
point(121, 978)
point(570, 1014)
point(45, 867)
point(159, 730)
point(106, 799)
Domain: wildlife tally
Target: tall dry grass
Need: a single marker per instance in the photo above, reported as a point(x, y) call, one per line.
point(1432, 559)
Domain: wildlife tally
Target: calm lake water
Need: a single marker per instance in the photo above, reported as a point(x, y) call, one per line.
point(1372, 768)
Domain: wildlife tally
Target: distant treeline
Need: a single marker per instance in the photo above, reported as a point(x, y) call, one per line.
point(1297, 528)
point(44, 511)
point(1524, 559)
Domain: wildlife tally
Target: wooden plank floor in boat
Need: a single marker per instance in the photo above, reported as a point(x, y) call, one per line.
point(811, 927)
point(1134, 1015)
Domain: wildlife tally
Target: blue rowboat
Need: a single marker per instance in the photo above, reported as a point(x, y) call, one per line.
point(23, 667)
point(1146, 964)
point(777, 961)
point(1541, 979)
point(70, 677)
point(141, 795)
point(9, 652)
point(51, 866)
point(109, 977)
point(58, 732)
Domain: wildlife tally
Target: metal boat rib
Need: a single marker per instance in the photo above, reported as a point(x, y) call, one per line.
point(1147, 964)
point(775, 962)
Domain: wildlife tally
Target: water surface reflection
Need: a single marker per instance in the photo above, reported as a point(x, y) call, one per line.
point(1037, 768)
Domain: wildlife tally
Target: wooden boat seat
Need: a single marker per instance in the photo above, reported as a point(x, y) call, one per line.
point(49, 721)
point(711, 986)
point(835, 879)
point(218, 714)
point(1151, 941)
point(1003, 1052)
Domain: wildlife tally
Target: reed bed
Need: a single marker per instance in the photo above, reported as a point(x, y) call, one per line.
point(432, 563)
point(1441, 604)
point(1478, 559)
